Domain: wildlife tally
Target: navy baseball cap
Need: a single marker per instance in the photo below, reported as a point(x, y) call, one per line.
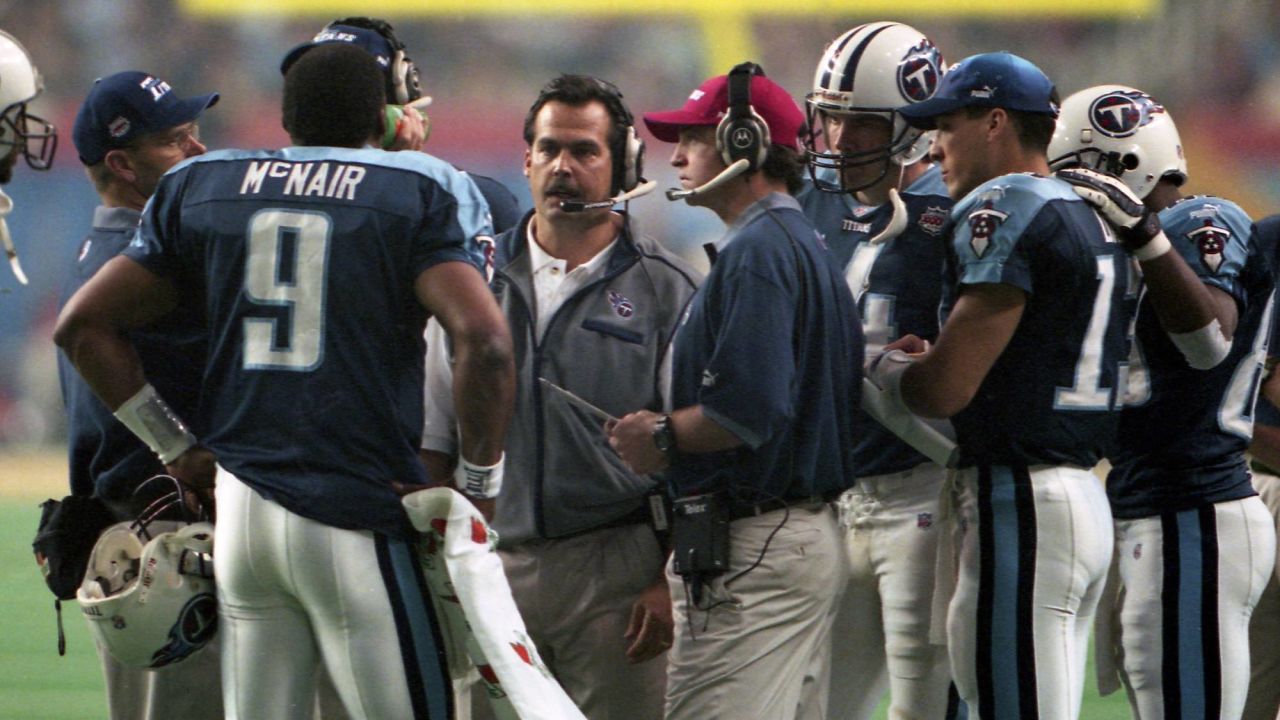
point(368, 40)
point(122, 107)
point(998, 79)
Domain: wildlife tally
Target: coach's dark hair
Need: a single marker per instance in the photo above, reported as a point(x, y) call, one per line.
point(783, 163)
point(333, 96)
point(576, 91)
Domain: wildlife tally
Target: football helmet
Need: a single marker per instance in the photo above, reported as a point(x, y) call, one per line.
point(148, 592)
point(1122, 131)
point(20, 82)
point(874, 68)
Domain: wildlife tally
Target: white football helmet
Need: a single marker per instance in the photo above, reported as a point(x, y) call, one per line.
point(1122, 131)
point(874, 68)
point(148, 591)
point(20, 83)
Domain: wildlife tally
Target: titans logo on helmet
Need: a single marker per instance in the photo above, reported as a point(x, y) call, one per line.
point(983, 223)
point(1120, 113)
point(920, 71)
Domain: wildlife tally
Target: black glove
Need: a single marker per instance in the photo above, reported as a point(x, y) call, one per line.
point(1135, 223)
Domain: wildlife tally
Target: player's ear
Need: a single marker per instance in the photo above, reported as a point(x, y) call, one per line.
point(528, 161)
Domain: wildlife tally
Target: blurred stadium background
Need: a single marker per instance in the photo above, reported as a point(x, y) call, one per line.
point(1214, 65)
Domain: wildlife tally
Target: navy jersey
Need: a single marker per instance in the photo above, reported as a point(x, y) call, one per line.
point(1183, 432)
point(897, 286)
point(504, 211)
point(771, 349)
point(1051, 397)
point(305, 261)
point(104, 457)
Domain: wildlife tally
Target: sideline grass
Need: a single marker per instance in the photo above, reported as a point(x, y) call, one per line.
point(36, 684)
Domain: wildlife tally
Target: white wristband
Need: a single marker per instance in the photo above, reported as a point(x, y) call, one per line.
point(479, 481)
point(147, 415)
point(1155, 247)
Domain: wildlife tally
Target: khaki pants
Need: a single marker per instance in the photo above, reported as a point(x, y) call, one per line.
point(766, 645)
point(575, 596)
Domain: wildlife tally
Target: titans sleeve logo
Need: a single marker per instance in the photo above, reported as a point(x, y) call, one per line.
point(983, 223)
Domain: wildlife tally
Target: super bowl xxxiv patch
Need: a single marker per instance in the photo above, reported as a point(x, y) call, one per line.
point(983, 223)
point(932, 220)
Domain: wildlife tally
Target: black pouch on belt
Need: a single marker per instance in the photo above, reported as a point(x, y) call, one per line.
point(700, 540)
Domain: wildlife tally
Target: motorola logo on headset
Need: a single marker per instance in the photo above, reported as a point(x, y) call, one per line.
point(742, 138)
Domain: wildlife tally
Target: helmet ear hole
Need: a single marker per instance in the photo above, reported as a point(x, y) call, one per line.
point(1130, 161)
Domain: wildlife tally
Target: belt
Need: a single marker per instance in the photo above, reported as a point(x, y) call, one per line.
point(737, 511)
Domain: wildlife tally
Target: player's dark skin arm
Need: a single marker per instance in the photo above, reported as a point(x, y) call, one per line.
point(91, 332)
point(91, 328)
point(1182, 301)
point(484, 367)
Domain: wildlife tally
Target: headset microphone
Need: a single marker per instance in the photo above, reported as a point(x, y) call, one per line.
point(737, 168)
point(574, 206)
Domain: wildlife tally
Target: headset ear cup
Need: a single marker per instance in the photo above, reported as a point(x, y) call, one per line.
point(743, 138)
point(631, 169)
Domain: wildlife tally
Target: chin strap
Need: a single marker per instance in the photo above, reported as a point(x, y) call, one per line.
point(6, 207)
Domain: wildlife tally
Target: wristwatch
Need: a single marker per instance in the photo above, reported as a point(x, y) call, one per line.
point(664, 436)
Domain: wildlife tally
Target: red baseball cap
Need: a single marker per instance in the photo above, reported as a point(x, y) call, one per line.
point(709, 103)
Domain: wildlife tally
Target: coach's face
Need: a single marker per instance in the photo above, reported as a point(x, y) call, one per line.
point(569, 158)
point(698, 161)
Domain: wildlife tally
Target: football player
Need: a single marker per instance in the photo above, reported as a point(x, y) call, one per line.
point(881, 206)
point(1194, 544)
point(1026, 366)
point(317, 266)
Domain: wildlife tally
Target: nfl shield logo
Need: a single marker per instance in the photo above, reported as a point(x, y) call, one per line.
point(924, 520)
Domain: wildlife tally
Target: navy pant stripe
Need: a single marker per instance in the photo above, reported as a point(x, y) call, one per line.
point(1210, 642)
point(1025, 501)
point(418, 630)
point(983, 668)
point(1170, 606)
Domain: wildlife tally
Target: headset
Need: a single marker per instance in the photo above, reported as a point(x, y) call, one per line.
point(742, 136)
point(628, 154)
point(404, 85)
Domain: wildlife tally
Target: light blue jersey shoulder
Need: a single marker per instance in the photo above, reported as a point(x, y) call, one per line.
point(1213, 236)
point(991, 220)
point(930, 183)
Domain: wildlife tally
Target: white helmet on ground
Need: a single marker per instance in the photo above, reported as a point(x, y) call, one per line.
point(148, 591)
point(1122, 131)
point(20, 83)
point(874, 68)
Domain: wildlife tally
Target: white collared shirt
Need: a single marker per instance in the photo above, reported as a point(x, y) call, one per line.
point(553, 283)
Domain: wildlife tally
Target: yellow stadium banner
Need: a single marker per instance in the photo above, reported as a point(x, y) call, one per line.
point(721, 8)
point(726, 25)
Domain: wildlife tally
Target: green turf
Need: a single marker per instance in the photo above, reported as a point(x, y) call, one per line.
point(36, 684)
